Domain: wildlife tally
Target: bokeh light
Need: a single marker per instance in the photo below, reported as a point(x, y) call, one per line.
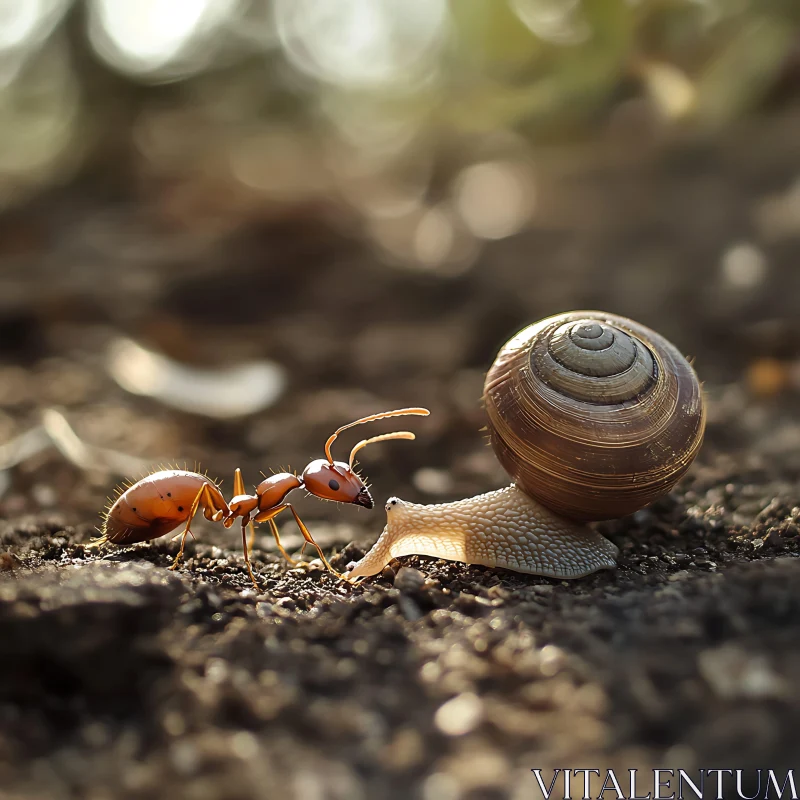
point(155, 36)
point(557, 21)
point(420, 122)
point(363, 43)
point(24, 26)
point(495, 199)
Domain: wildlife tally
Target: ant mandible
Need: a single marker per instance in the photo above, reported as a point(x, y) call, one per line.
point(159, 503)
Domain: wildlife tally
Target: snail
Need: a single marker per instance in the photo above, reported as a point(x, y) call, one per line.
point(593, 416)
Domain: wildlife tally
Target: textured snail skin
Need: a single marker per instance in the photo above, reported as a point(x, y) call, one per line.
point(504, 528)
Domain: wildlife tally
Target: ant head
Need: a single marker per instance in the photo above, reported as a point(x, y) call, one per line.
point(336, 481)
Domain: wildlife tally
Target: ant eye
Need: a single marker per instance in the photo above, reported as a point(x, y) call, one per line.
point(334, 484)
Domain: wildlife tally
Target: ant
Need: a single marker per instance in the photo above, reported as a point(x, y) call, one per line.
point(159, 503)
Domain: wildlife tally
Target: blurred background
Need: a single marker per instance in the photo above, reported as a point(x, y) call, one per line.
point(229, 226)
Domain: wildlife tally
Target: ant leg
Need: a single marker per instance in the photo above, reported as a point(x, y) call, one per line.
point(252, 540)
point(186, 531)
point(274, 528)
point(238, 483)
point(268, 514)
point(310, 539)
point(205, 498)
point(245, 521)
point(239, 492)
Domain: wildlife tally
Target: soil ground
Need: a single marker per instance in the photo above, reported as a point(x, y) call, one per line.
point(435, 680)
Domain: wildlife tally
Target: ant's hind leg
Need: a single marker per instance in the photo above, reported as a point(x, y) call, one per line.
point(177, 560)
point(204, 497)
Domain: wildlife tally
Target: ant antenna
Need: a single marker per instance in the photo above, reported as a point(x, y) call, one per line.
point(382, 438)
point(400, 412)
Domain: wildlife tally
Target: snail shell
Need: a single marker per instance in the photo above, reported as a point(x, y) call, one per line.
point(593, 416)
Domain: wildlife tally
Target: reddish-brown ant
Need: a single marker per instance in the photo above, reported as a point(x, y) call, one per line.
point(162, 501)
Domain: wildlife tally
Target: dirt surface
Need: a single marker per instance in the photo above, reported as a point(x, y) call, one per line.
point(434, 680)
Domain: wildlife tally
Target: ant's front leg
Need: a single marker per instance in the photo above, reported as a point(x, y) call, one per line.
point(269, 515)
point(245, 522)
point(242, 505)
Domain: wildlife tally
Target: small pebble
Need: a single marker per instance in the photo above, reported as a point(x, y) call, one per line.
point(459, 715)
point(773, 539)
point(185, 758)
point(551, 660)
point(409, 579)
point(405, 750)
point(733, 672)
point(678, 576)
point(7, 562)
point(244, 745)
point(264, 610)
point(409, 609)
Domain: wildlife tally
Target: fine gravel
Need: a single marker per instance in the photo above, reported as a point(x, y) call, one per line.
point(120, 678)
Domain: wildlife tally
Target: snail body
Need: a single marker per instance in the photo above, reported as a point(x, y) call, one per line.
point(593, 416)
point(504, 528)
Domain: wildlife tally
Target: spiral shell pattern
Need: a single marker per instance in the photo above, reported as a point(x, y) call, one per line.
point(592, 414)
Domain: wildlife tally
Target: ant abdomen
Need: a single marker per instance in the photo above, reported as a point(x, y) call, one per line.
point(155, 506)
